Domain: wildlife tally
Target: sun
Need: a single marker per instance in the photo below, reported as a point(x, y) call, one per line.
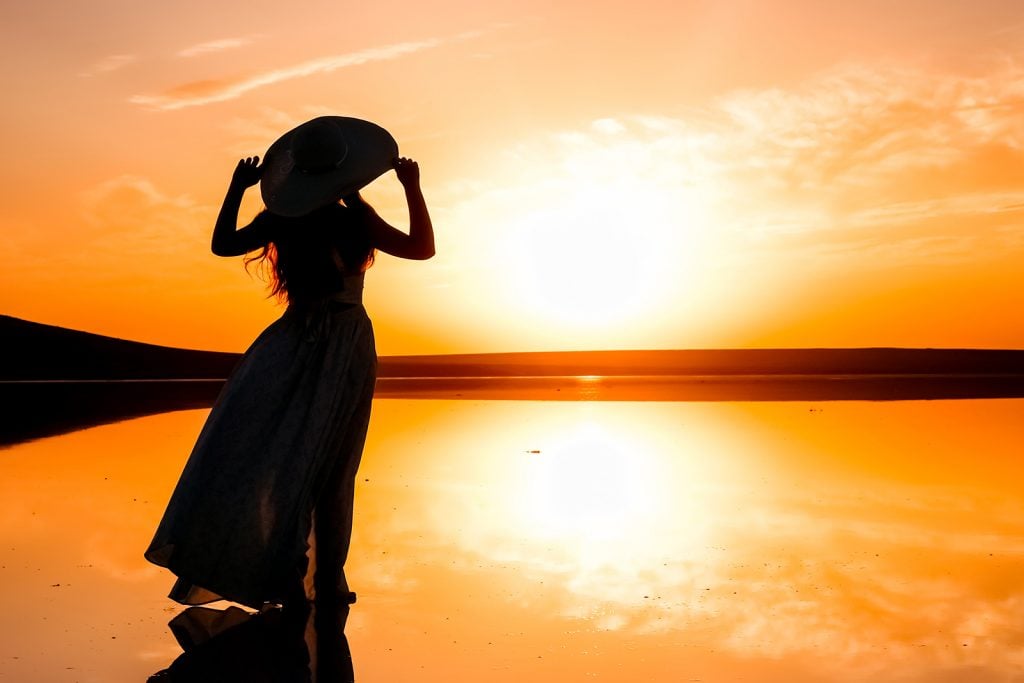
point(603, 253)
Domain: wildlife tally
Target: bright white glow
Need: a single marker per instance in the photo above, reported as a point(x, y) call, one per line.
point(589, 485)
point(604, 244)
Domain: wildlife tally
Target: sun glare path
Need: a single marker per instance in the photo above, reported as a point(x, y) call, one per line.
point(614, 511)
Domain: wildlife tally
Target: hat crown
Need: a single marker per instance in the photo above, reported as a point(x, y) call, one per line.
point(318, 147)
point(321, 161)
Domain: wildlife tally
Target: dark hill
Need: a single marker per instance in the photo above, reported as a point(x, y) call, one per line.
point(36, 351)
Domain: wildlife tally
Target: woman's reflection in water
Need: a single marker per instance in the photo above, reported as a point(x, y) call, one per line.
point(301, 645)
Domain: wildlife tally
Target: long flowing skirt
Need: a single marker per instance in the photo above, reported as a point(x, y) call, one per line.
point(284, 437)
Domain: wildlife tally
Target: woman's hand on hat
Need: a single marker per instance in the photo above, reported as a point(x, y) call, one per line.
point(247, 173)
point(408, 172)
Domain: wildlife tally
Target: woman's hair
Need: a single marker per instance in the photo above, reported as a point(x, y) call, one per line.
point(300, 262)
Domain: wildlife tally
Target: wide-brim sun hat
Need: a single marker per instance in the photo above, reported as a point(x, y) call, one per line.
point(323, 160)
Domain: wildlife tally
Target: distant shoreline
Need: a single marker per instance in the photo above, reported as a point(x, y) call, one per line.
point(33, 351)
point(54, 380)
point(37, 408)
point(773, 378)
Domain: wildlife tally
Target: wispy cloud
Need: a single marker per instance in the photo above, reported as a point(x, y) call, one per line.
point(108, 64)
point(205, 92)
point(857, 151)
point(123, 226)
point(130, 215)
point(217, 46)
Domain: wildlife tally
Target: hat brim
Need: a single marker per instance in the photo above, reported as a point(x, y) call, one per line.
point(287, 191)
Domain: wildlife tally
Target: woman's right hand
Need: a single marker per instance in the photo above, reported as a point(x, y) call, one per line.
point(247, 173)
point(408, 172)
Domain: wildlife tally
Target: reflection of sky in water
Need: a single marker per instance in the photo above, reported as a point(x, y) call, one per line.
point(565, 541)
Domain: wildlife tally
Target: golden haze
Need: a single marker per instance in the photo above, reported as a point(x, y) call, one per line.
point(657, 175)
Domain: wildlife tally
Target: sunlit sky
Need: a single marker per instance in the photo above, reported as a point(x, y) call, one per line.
point(601, 175)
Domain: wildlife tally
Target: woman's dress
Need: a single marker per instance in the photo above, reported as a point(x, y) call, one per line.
point(283, 439)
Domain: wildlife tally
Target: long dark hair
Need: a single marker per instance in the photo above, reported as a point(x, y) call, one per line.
point(300, 262)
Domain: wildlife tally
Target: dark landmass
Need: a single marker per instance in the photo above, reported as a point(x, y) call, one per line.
point(717, 362)
point(36, 409)
point(33, 351)
point(54, 380)
point(707, 387)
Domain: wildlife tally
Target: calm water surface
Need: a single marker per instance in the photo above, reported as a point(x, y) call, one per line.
point(510, 541)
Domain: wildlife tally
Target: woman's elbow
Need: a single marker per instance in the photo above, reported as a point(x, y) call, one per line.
point(419, 252)
point(222, 250)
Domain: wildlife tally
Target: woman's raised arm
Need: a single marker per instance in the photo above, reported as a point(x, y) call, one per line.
point(227, 240)
point(419, 243)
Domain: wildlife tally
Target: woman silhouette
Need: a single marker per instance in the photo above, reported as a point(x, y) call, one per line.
point(277, 456)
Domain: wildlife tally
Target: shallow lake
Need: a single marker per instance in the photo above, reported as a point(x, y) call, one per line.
point(577, 541)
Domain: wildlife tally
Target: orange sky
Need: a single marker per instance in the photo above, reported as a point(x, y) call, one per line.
point(601, 175)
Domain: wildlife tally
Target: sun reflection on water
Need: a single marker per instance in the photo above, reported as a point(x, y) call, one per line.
point(514, 540)
point(591, 485)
